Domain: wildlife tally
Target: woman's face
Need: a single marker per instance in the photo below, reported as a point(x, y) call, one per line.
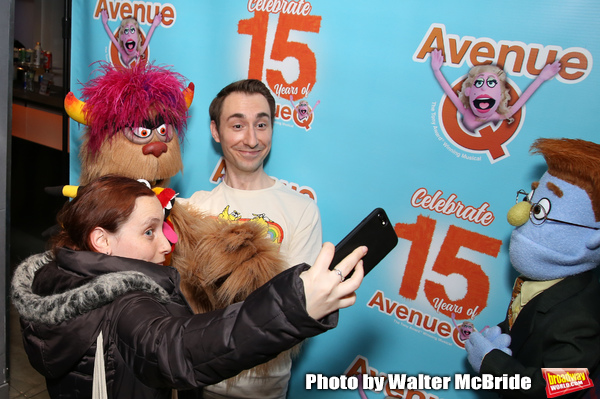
point(141, 236)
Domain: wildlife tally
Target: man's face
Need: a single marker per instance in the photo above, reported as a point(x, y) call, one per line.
point(245, 132)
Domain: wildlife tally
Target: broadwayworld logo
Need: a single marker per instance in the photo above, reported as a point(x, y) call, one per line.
point(563, 381)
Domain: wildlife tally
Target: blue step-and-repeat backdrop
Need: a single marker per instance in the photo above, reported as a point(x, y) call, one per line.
point(384, 132)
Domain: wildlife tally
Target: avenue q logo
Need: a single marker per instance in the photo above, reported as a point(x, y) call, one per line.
point(563, 381)
point(483, 111)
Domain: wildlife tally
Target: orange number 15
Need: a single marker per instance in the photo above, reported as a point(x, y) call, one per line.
point(283, 48)
point(446, 263)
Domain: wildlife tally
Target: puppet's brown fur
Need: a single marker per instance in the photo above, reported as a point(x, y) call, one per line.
point(222, 262)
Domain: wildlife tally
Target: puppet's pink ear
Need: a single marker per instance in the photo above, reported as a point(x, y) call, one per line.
point(74, 108)
point(188, 94)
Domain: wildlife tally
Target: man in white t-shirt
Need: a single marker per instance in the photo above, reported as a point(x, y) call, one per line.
point(242, 117)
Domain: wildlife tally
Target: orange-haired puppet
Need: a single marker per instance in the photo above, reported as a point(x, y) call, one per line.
point(135, 120)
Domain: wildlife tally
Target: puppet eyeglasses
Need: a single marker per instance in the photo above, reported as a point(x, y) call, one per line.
point(538, 214)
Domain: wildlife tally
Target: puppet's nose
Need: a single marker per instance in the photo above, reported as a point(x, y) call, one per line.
point(519, 214)
point(155, 148)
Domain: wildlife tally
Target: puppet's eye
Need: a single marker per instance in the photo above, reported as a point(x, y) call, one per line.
point(165, 132)
point(138, 135)
point(478, 83)
point(142, 132)
point(541, 209)
point(492, 82)
point(162, 129)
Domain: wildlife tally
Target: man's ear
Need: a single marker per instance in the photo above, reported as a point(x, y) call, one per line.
point(99, 241)
point(594, 241)
point(214, 131)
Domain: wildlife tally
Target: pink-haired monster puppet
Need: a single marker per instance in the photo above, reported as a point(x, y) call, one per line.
point(135, 119)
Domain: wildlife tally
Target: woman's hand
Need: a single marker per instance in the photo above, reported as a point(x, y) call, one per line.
point(326, 290)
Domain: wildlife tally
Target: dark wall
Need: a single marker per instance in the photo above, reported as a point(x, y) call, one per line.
point(32, 211)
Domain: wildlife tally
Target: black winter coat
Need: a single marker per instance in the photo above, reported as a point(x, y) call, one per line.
point(152, 340)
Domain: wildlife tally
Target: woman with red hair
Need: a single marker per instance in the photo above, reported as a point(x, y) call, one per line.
point(105, 275)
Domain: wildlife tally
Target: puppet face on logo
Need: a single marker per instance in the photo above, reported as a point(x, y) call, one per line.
point(548, 244)
point(485, 94)
point(303, 110)
point(465, 330)
point(129, 36)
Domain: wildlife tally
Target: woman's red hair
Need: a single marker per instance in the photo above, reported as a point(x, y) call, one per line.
point(106, 202)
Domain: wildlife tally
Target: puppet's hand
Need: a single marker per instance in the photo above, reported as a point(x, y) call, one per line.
point(549, 71)
point(157, 20)
point(480, 345)
point(104, 15)
point(499, 340)
point(437, 59)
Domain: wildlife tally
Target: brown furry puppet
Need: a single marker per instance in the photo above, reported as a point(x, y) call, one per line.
point(136, 118)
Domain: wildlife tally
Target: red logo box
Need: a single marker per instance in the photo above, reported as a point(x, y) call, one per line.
point(563, 381)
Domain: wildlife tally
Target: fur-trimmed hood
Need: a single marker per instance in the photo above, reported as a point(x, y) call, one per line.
point(61, 307)
point(65, 302)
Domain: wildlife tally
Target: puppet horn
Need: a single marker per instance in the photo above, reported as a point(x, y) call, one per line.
point(74, 108)
point(188, 94)
point(65, 191)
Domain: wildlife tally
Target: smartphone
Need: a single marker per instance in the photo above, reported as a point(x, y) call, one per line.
point(376, 232)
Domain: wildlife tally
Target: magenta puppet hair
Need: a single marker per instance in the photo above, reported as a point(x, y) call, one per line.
point(127, 97)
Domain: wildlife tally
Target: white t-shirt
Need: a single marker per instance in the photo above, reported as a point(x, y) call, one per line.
point(293, 218)
point(294, 222)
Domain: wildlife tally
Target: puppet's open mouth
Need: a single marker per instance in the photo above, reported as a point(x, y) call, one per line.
point(130, 45)
point(484, 104)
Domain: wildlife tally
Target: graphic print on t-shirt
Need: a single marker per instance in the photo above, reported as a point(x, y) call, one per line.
point(274, 230)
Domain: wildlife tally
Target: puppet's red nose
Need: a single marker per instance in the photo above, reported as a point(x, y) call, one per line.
point(155, 148)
